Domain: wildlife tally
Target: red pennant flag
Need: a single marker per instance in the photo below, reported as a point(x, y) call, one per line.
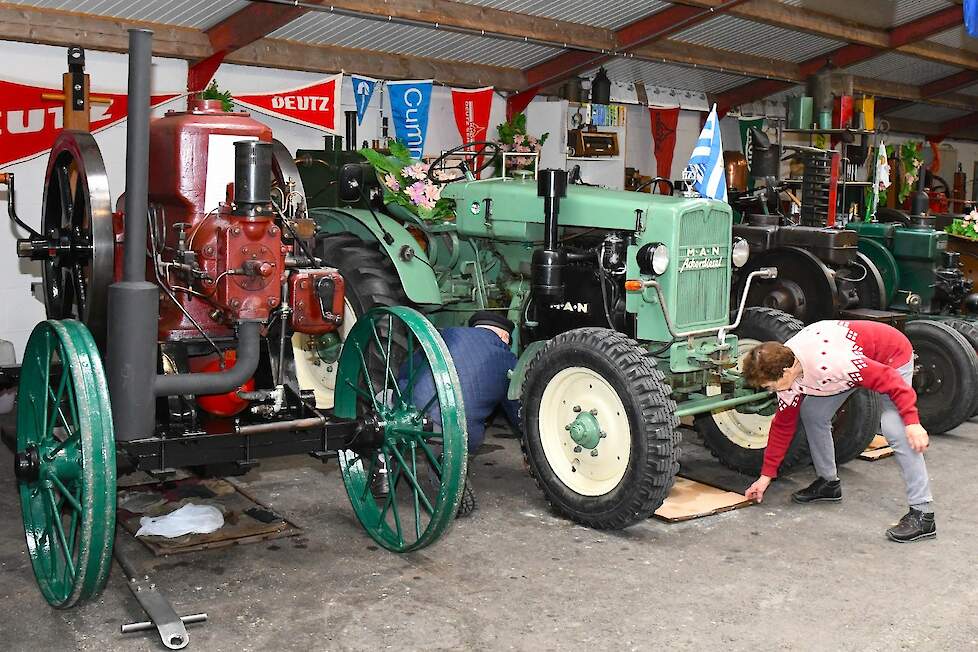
point(472, 107)
point(664, 122)
point(29, 124)
point(316, 105)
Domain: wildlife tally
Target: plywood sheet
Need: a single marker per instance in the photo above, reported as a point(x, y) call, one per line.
point(878, 449)
point(690, 499)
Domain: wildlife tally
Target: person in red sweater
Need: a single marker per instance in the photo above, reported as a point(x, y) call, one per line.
point(813, 374)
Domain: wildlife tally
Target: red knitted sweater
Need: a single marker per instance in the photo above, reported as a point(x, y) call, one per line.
point(836, 356)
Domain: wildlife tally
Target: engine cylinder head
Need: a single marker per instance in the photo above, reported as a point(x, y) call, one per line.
point(252, 175)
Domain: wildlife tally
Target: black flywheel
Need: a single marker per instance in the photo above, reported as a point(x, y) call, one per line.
point(79, 250)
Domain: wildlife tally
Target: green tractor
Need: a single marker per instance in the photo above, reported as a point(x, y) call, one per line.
point(622, 302)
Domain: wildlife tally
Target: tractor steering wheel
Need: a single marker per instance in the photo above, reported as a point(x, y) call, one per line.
point(476, 148)
point(657, 181)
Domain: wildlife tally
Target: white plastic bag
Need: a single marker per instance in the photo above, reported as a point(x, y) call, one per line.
point(189, 519)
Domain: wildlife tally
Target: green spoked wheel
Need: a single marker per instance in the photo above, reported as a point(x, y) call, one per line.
point(65, 462)
point(406, 471)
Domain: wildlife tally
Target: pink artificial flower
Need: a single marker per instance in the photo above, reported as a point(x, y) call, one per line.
point(416, 171)
point(518, 139)
point(416, 192)
point(432, 192)
point(972, 216)
point(392, 183)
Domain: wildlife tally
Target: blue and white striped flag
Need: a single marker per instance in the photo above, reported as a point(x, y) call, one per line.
point(706, 163)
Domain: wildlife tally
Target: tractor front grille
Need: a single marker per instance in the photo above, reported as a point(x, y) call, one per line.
point(703, 295)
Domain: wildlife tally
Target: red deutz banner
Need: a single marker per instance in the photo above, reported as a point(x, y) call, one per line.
point(316, 105)
point(472, 109)
point(29, 124)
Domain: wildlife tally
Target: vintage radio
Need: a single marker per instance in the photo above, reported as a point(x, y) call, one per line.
point(592, 143)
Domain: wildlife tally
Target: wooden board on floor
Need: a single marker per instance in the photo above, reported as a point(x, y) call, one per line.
point(878, 449)
point(246, 520)
point(690, 499)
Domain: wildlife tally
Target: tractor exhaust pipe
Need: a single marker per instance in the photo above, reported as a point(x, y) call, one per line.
point(548, 263)
point(134, 302)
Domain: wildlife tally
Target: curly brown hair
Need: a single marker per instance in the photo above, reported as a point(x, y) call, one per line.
point(766, 363)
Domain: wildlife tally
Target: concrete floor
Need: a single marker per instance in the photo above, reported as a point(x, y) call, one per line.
point(771, 576)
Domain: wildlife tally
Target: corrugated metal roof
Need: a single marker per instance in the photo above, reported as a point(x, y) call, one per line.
point(878, 13)
point(969, 90)
point(323, 28)
point(928, 113)
point(903, 68)
point(183, 13)
point(607, 15)
point(759, 39)
point(956, 37)
point(654, 73)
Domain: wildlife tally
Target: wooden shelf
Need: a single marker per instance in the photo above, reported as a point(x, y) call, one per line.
point(593, 158)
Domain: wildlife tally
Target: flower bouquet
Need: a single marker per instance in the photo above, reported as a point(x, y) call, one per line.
point(406, 183)
point(965, 226)
point(513, 138)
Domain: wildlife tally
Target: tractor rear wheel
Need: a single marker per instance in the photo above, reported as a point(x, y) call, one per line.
point(600, 428)
point(370, 281)
point(970, 332)
point(945, 374)
point(739, 439)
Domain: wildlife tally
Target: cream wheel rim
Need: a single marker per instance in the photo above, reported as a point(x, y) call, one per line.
point(311, 371)
point(745, 430)
point(579, 470)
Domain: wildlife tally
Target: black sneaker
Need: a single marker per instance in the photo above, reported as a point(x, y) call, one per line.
point(468, 503)
point(914, 525)
point(820, 491)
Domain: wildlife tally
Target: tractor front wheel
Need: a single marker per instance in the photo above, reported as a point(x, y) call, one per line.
point(600, 429)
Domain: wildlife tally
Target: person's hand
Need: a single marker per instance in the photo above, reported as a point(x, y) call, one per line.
point(756, 491)
point(917, 437)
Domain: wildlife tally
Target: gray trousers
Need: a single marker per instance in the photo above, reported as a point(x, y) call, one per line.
point(817, 413)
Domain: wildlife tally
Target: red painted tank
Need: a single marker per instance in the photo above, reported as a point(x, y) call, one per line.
point(191, 168)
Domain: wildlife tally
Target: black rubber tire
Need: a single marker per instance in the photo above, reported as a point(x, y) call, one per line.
point(654, 454)
point(369, 279)
point(763, 325)
point(970, 332)
point(945, 374)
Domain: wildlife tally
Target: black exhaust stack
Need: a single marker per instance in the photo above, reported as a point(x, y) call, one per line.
point(133, 302)
point(548, 263)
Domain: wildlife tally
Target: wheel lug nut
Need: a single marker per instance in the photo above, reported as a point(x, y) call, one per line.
point(594, 452)
point(594, 412)
point(577, 408)
point(577, 449)
point(603, 434)
point(567, 427)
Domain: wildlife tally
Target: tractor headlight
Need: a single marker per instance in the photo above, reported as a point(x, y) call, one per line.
point(660, 259)
point(740, 252)
point(653, 258)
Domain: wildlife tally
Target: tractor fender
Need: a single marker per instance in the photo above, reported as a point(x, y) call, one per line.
point(416, 275)
point(518, 375)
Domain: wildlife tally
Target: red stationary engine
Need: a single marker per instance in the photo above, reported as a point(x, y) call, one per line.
point(216, 241)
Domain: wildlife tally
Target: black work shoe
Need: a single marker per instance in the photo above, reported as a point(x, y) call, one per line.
point(820, 491)
point(468, 504)
point(914, 525)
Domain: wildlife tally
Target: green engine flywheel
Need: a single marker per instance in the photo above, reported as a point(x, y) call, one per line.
point(65, 462)
point(405, 474)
